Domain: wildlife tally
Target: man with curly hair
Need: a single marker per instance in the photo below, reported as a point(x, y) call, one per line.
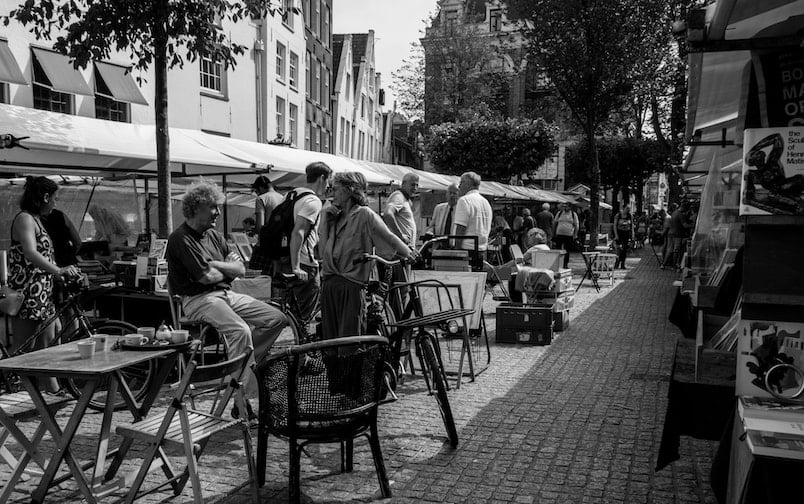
point(201, 267)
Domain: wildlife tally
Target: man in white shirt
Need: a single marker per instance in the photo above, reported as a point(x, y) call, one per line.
point(304, 237)
point(473, 213)
point(444, 213)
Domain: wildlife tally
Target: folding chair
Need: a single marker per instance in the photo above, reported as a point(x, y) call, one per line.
point(184, 427)
point(14, 408)
point(204, 330)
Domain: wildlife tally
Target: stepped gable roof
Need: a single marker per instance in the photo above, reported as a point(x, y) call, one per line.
point(359, 42)
point(337, 49)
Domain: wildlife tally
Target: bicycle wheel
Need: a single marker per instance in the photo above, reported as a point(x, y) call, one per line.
point(431, 368)
point(137, 377)
point(292, 333)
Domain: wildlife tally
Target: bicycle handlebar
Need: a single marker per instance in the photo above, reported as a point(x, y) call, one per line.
point(396, 262)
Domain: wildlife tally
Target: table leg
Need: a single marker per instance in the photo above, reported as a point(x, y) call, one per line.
point(106, 425)
point(30, 452)
point(61, 438)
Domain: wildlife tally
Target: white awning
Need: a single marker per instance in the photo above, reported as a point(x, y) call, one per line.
point(63, 77)
point(119, 83)
point(68, 144)
point(9, 69)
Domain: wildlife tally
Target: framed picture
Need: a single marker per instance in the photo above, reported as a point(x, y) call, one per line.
point(158, 248)
point(243, 245)
point(466, 289)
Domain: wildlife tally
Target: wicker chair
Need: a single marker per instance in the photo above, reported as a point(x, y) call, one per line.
point(335, 405)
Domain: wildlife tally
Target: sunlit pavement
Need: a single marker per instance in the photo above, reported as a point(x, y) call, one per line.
point(578, 421)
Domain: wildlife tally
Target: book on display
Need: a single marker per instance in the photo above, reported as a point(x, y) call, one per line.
point(770, 409)
point(774, 444)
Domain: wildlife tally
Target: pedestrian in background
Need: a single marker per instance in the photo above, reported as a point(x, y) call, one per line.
point(544, 221)
point(566, 227)
point(399, 218)
point(267, 199)
point(444, 213)
point(623, 233)
point(473, 213)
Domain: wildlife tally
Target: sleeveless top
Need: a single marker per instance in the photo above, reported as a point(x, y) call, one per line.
point(35, 284)
point(624, 224)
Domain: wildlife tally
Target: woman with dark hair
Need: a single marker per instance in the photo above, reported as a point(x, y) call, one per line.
point(348, 230)
point(31, 266)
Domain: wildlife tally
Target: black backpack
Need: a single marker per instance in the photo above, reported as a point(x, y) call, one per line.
point(274, 241)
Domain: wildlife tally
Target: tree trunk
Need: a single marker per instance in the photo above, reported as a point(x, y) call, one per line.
point(594, 185)
point(639, 194)
point(165, 213)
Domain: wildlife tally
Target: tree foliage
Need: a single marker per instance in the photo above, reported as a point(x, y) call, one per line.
point(590, 50)
point(464, 70)
point(161, 34)
point(408, 84)
point(497, 150)
point(625, 162)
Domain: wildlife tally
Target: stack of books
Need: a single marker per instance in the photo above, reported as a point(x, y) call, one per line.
point(773, 428)
point(96, 272)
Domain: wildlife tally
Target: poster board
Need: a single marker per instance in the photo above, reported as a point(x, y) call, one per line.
point(243, 245)
point(466, 286)
point(760, 341)
point(773, 172)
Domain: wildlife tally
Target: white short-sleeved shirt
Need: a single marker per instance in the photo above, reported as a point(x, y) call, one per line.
point(266, 202)
point(473, 211)
point(308, 208)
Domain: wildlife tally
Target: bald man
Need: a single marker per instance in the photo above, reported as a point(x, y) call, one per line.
point(398, 216)
point(443, 213)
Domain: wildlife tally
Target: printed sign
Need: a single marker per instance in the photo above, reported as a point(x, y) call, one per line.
point(773, 172)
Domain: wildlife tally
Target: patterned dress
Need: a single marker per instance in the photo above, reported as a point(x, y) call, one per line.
point(35, 284)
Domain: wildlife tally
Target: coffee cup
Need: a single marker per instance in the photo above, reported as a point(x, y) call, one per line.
point(101, 342)
point(135, 339)
point(179, 336)
point(86, 348)
point(148, 332)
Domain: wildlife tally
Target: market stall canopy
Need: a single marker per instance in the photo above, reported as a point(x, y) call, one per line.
point(68, 144)
point(9, 69)
point(287, 164)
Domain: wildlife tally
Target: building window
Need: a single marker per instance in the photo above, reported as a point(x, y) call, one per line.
point(316, 18)
point(106, 107)
point(287, 13)
point(325, 140)
point(361, 145)
point(317, 82)
point(348, 86)
point(451, 17)
point(325, 24)
point(294, 121)
point(280, 62)
point(371, 80)
point(362, 106)
point(280, 117)
point(294, 70)
point(348, 150)
point(317, 138)
point(4, 95)
point(495, 20)
point(307, 127)
point(44, 97)
point(371, 148)
point(340, 136)
point(307, 75)
point(306, 13)
point(212, 74)
point(111, 110)
point(371, 113)
point(324, 86)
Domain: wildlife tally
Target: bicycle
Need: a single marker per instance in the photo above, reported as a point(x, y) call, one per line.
point(381, 318)
point(289, 305)
point(75, 324)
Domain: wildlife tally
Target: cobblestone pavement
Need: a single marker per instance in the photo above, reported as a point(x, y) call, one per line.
point(578, 421)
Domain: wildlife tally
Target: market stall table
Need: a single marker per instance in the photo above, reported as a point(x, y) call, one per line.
point(64, 361)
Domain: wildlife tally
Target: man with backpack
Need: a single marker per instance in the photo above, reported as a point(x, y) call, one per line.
point(301, 225)
point(267, 200)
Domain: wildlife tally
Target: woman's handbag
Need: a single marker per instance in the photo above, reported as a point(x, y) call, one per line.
point(10, 300)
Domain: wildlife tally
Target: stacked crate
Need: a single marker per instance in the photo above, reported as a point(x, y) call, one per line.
point(561, 296)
